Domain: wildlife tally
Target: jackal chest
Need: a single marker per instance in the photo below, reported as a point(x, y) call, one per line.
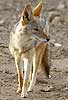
point(20, 38)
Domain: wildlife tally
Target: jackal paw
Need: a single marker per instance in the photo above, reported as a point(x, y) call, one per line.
point(49, 76)
point(29, 90)
point(24, 95)
point(19, 90)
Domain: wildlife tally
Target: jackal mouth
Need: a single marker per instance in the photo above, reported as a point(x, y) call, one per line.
point(34, 37)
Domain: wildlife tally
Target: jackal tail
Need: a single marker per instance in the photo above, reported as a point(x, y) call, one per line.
point(53, 15)
point(45, 62)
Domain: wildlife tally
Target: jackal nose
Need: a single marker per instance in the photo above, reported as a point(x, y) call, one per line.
point(48, 39)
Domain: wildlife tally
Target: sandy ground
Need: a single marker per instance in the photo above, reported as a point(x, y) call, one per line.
point(58, 83)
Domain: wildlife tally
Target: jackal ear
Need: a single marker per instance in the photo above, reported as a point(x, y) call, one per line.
point(27, 12)
point(37, 10)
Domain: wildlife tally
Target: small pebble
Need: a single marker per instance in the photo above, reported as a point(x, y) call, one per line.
point(57, 45)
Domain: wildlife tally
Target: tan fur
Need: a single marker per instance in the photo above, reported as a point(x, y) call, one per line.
point(37, 9)
point(34, 56)
point(25, 14)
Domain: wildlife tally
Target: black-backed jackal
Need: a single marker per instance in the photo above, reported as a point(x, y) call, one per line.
point(29, 41)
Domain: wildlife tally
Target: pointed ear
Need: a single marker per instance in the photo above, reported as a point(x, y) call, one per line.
point(37, 10)
point(27, 12)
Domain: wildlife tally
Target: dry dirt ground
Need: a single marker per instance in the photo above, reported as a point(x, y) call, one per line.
point(58, 83)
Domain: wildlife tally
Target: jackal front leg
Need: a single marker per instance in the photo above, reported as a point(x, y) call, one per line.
point(27, 68)
point(20, 80)
point(33, 79)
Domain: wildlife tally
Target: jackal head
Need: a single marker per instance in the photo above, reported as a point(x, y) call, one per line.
point(28, 14)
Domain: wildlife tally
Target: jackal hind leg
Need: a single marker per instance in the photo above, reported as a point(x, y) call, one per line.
point(20, 79)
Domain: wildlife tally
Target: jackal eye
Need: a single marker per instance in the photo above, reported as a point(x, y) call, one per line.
point(36, 29)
